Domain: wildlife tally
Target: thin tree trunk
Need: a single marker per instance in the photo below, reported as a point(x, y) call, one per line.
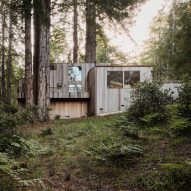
point(36, 51)
point(75, 33)
point(3, 58)
point(28, 55)
point(90, 54)
point(9, 59)
point(43, 59)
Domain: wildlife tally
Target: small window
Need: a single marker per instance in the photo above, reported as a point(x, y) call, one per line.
point(75, 79)
point(115, 79)
point(75, 73)
point(131, 78)
point(53, 67)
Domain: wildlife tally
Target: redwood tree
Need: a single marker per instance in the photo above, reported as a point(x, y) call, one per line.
point(3, 55)
point(75, 32)
point(90, 49)
point(28, 54)
point(113, 10)
point(42, 57)
point(9, 57)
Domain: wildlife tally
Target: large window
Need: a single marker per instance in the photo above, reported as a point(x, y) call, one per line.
point(118, 80)
point(131, 78)
point(115, 79)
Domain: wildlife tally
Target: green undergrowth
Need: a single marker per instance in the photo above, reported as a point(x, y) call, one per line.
point(99, 153)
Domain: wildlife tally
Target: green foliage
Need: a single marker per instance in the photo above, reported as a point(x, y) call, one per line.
point(184, 99)
point(12, 172)
point(105, 53)
point(148, 99)
point(169, 48)
point(7, 129)
point(28, 115)
point(116, 10)
point(115, 151)
point(180, 126)
point(26, 147)
point(57, 117)
point(58, 45)
point(155, 118)
point(129, 129)
point(46, 132)
point(171, 177)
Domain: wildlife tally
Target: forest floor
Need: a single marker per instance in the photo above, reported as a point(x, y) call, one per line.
point(69, 167)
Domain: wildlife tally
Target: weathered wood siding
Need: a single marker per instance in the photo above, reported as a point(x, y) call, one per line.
point(95, 97)
point(93, 89)
point(69, 109)
point(59, 81)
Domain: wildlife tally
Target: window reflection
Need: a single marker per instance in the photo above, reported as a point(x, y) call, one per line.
point(75, 73)
point(115, 79)
point(75, 79)
point(131, 78)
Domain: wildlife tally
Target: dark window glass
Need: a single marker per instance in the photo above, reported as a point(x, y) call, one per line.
point(115, 79)
point(53, 67)
point(131, 78)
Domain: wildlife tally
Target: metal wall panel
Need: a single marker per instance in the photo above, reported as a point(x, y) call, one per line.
point(110, 100)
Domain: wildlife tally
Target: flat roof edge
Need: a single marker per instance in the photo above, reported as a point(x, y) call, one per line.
point(146, 66)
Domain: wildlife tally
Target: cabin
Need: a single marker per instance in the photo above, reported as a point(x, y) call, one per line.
point(81, 90)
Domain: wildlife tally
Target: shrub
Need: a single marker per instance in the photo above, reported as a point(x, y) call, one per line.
point(7, 129)
point(10, 120)
point(155, 118)
point(12, 175)
point(115, 151)
point(180, 126)
point(184, 98)
point(22, 147)
point(46, 132)
point(57, 117)
point(147, 99)
point(129, 128)
point(29, 115)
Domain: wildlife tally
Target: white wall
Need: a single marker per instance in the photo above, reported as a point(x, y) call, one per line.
point(172, 88)
point(115, 100)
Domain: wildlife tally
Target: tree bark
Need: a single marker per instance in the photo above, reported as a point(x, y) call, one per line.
point(42, 58)
point(9, 59)
point(3, 58)
point(75, 33)
point(28, 55)
point(90, 52)
point(36, 51)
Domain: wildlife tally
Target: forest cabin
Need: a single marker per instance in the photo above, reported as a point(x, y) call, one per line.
point(81, 90)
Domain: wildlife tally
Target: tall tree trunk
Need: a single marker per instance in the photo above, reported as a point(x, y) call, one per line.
point(9, 59)
point(3, 58)
point(28, 55)
point(36, 51)
point(42, 58)
point(90, 54)
point(75, 32)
